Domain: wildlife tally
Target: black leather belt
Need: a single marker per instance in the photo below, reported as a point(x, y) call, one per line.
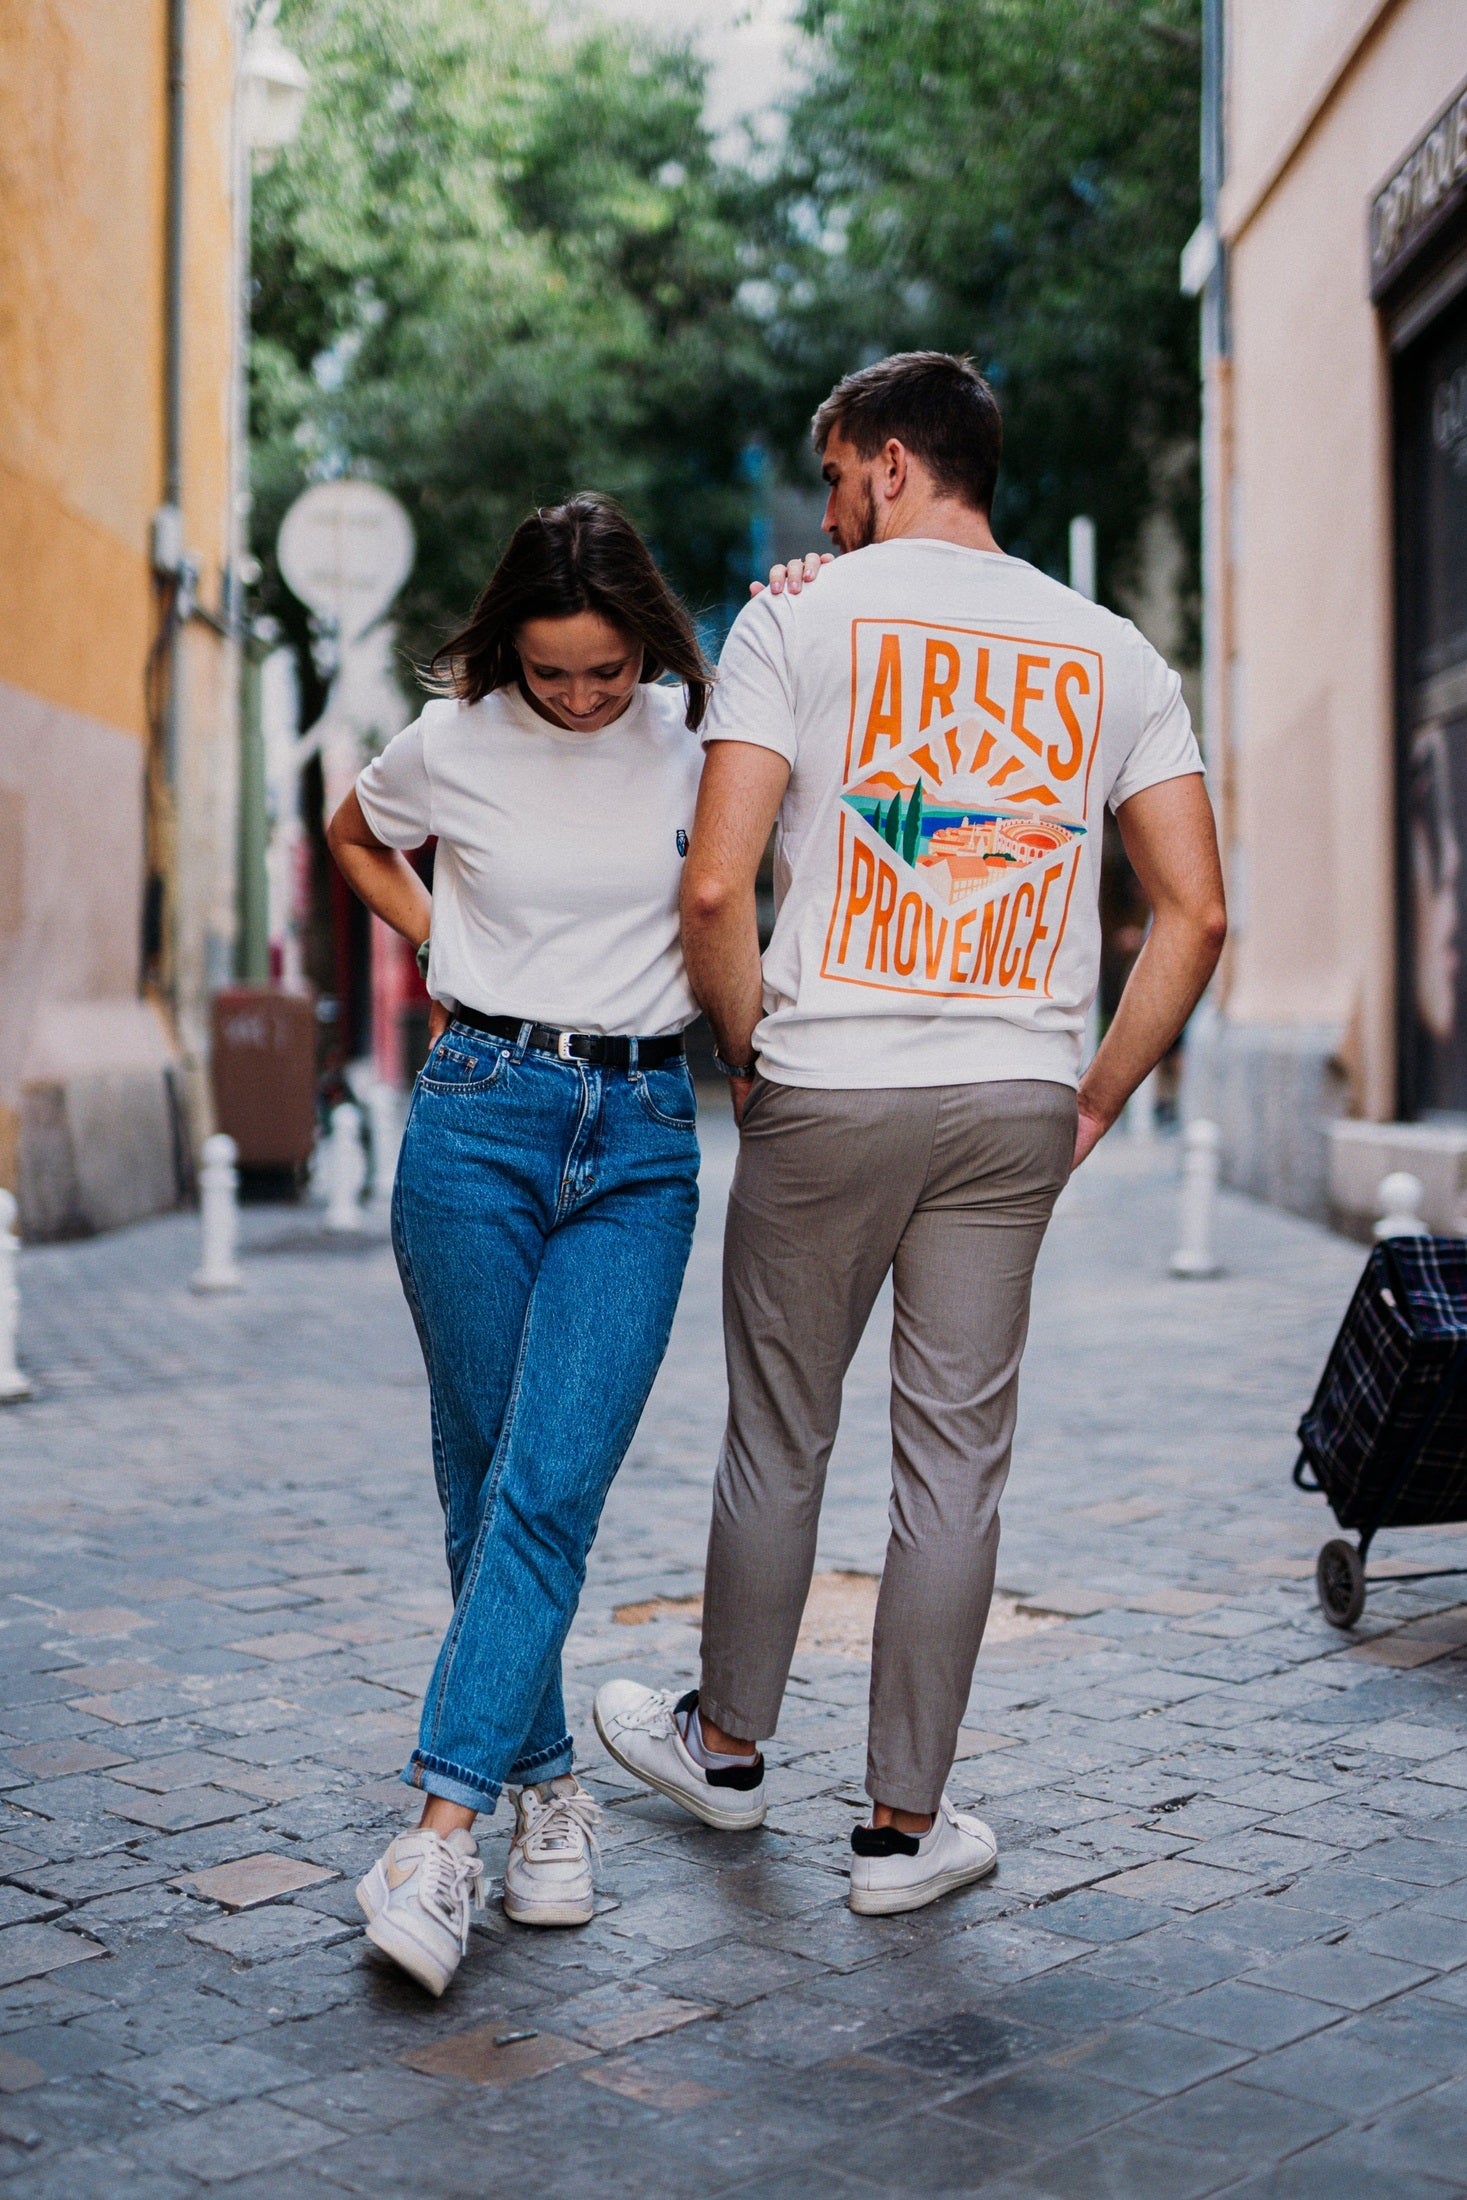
point(605, 1051)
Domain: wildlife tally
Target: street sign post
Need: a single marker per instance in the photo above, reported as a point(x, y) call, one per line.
point(345, 549)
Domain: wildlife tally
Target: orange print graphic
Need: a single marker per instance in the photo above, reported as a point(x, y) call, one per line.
point(962, 821)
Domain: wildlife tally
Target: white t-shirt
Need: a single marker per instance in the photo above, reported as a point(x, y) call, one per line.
point(555, 880)
point(955, 724)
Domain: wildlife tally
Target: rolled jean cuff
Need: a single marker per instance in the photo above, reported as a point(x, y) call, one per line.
point(546, 1764)
point(456, 1784)
point(436, 1776)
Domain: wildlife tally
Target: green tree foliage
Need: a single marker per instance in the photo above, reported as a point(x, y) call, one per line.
point(912, 830)
point(1016, 179)
point(498, 267)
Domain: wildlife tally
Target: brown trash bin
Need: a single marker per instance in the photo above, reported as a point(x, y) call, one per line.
point(265, 1074)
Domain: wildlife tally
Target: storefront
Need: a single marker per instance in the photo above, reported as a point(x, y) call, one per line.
point(1332, 270)
point(1419, 271)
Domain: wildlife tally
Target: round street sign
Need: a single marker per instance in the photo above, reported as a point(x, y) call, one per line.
point(345, 548)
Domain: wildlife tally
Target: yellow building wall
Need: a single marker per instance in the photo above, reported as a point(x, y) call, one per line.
point(1309, 685)
point(83, 154)
point(81, 305)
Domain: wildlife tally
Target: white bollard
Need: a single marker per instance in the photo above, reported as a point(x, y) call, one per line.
point(218, 1270)
point(1141, 1110)
point(346, 1169)
point(13, 1384)
point(384, 1112)
point(1399, 1198)
point(1195, 1256)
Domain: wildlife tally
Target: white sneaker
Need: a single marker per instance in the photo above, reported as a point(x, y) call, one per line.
point(417, 1898)
point(549, 1877)
point(639, 1726)
point(893, 1871)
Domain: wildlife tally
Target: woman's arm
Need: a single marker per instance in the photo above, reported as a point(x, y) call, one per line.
point(387, 883)
point(379, 875)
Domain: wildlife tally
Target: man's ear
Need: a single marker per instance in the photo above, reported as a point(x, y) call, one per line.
point(894, 468)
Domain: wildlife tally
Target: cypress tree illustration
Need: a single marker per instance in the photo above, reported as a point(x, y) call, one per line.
point(891, 831)
point(912, 832)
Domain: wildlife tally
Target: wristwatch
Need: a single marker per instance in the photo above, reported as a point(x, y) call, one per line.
point(731, 1069)
point(422, 959)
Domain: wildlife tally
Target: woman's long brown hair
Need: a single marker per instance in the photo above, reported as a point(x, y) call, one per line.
point(584, 555)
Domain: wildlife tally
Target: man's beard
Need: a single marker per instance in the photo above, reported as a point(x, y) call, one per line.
point(865, 533)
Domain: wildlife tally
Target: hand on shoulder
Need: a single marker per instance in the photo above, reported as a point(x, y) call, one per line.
point(791, 578)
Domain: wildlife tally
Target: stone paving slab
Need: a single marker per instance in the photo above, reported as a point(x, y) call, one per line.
point(1226, 1947)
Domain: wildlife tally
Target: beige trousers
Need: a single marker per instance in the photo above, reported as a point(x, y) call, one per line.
point(949, 1188)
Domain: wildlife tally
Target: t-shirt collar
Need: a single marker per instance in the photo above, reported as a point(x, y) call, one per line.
point(529, 720)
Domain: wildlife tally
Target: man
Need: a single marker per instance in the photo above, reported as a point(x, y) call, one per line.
point(937, 729)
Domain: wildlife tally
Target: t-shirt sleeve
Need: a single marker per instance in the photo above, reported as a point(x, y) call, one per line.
point(753, 699)
point(395, 793)
point(1166, 747)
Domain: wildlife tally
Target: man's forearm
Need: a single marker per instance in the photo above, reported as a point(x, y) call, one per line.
point(1171, 839)
point(721, 949)
point(1164, 987)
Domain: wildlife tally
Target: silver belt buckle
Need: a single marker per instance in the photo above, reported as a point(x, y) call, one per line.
point(563, 1046)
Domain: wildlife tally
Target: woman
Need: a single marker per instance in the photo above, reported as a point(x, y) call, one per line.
point(547, 1184)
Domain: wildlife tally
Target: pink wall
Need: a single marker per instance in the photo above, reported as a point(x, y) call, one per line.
point(1308, 711)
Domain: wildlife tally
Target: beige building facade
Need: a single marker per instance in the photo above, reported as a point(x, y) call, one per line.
point(119, 466)
point(1333, 269)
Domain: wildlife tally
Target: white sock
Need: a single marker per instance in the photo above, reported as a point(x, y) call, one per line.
point(711, 1760)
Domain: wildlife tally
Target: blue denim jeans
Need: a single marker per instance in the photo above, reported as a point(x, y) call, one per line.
point(542, 1217)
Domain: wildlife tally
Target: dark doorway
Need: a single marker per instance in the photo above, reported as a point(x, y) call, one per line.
point(1431, 608)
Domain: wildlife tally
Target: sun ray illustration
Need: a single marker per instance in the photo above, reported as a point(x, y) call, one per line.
point(962, 827)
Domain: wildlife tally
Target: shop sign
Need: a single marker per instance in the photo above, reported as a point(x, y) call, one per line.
point(1430, 182)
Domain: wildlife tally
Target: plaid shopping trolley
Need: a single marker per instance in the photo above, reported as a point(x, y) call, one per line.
point(1385, 1438)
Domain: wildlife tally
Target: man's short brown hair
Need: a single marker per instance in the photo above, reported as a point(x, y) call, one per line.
point(935, 403)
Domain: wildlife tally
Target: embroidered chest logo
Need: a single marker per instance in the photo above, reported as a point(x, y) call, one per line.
point(682, 842)
point(962, 813)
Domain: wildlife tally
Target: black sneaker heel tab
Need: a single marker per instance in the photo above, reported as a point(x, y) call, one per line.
point(688, 1703)
point(883, 1841)
point(742, 1777)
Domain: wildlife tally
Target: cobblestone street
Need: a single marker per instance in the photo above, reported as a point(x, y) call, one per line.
point(1226, 1946)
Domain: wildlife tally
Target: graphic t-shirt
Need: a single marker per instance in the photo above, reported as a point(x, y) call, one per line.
point(559, 857)
point(955, 724)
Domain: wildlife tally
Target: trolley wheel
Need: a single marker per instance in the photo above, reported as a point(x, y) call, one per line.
point(1339, 1576)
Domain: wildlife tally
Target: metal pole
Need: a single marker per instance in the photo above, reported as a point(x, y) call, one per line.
point(163, 669)
point(173, 343)
point(1082, 556)
point(1082, 580)
point(173, 261)
point(1139, 1114)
